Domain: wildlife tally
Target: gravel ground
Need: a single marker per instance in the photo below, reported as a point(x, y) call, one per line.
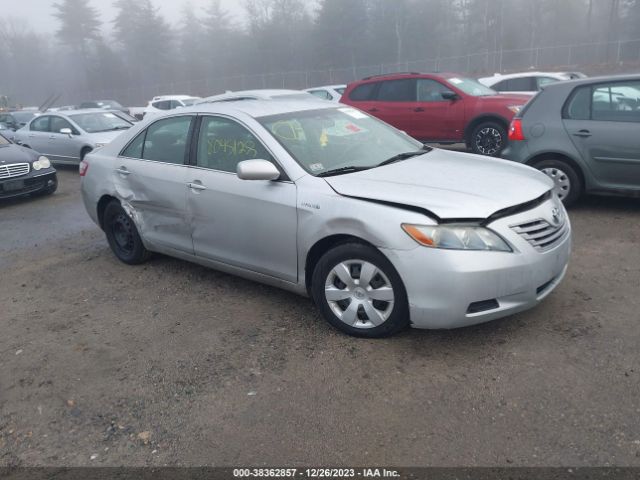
point(171, 363)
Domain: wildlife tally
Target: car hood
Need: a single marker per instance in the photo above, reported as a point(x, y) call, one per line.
point(16, 154)
point(450, 185)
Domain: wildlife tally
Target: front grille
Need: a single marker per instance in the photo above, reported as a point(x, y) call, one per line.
point(13, 170)
point(541, 234)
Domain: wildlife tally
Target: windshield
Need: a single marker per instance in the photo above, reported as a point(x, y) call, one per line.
point(329, 139)
point(471, 87)
point(100, 122)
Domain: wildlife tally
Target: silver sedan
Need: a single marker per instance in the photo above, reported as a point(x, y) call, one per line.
point(66, 137)
point(329, 202)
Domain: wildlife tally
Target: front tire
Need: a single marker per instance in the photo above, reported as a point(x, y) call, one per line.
point(123, 237)
point(489, 139)
point(568, 184)
point(359, 292)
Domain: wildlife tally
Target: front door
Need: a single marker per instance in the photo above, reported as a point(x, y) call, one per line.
point(247, 224)
point(60, 145)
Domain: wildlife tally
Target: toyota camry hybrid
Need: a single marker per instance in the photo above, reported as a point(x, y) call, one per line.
point(326, 201)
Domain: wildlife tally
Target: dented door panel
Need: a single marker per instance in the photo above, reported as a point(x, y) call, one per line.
point(155, 195)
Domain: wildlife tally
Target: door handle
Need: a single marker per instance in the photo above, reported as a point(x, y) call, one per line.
point(123, 171)
point(583, 134)
point(419, 109)
point(196, 186)
point(32, 135)
point(52, 137)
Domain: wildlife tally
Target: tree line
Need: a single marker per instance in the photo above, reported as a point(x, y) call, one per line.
point(140, 48)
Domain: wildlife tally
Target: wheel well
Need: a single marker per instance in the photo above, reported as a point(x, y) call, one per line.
point(558, 156)
point(102, 205)
point(84, 151)
point(323, 246)
point(489, 118)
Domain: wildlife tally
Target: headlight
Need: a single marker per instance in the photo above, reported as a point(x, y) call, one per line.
point(516, 109)
point(100, 145)
point(42, 163)
point(456, 237)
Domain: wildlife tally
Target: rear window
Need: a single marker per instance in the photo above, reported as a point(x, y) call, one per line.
point(363, 92)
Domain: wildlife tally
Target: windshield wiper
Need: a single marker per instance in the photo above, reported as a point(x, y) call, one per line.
point(342, 170)
point(404, 156)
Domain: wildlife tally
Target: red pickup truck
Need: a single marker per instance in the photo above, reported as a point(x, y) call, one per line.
point(439, 108)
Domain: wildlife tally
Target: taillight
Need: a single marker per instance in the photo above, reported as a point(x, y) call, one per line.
point(516, 134)
point(84, 167)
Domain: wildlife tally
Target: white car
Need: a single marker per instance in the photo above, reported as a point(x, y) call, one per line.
point(263, 94)
point(169, 102)
point(332, 93)
point(527, 82)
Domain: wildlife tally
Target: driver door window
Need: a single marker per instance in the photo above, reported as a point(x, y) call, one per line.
point(224, 143)
point(40, 124)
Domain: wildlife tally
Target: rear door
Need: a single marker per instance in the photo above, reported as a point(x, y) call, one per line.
point(396, 103)
point(603, 122)
point(150, 177)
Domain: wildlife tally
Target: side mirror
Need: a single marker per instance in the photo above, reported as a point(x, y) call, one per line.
point(450, 95)
point(257, 170)
point(67, 131)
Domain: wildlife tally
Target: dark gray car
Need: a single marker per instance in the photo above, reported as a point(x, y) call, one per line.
point(584, 134)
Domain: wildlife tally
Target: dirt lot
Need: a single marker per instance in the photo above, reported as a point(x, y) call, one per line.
point(171, 363)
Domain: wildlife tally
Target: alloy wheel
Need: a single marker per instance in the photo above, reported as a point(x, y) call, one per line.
point(489, 141)
point(359, 294)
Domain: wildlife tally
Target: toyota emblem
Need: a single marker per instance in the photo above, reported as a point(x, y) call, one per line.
point(556, 216)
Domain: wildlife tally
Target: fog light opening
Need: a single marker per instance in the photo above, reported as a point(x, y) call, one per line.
point(484, 306)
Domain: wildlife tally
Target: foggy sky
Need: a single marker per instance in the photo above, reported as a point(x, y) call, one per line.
point(39, 12)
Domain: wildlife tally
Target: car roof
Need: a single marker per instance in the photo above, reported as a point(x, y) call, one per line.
point(592, 80)
point(264, 94)
point(262, 108)
point(333, 87)
point(173, 97)
point(68, 113)
point(499, 76)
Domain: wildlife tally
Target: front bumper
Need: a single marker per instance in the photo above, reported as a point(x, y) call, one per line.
point(34, 182)
point(451, 289)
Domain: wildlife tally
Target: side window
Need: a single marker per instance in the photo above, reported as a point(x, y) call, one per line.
point(579, 106)
point(58, 123)
point(501, 86)
point(174, 104)
point(224, 143)
point(167, 140)
point(617, 102)
point(134, 150)
point(526, 84)
point(542, 81)
point(430, 90)
point(40, 124)
point(363, 92)
point(398, 91)
point(323, 94)
point(163, 105)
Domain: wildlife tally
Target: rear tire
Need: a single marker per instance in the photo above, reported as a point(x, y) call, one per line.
point(371, 307)
point(489, 139)
point(123, 237)
point(568, 184)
